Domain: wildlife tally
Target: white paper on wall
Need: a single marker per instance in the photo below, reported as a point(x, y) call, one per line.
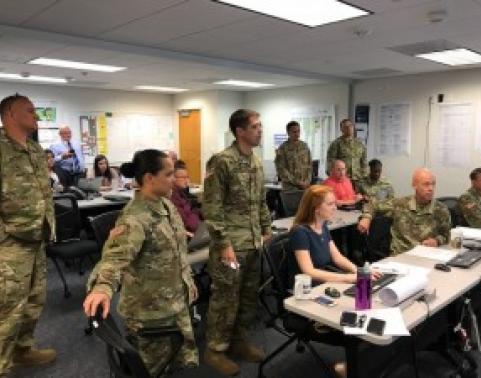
point(453, 136)
point(393, 137)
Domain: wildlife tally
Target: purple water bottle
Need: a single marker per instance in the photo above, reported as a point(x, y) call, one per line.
point(363, 288)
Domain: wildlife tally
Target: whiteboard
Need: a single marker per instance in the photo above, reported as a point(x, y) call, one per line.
point(129, 133)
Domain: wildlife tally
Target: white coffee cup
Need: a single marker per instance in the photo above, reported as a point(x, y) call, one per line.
point(302, 286)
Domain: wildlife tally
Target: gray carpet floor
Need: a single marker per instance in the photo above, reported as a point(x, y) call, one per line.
point(62, 327)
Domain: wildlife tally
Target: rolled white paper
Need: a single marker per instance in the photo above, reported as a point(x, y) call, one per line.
point(403, 288)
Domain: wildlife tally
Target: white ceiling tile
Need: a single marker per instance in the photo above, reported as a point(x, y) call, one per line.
point(231, 35)
point(14, 12)
point(19, 50)
point(186, 18)
point(91, 17)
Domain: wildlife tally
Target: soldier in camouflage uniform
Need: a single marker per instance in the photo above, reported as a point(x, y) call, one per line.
point(374, 186)
point(351, 151)
point(293, 160)
point(417, 219)
point(469, 204)
point(146, 255)
point(236, 213)
point(26, 223)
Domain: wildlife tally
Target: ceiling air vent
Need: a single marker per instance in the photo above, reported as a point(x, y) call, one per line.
point(377, 72)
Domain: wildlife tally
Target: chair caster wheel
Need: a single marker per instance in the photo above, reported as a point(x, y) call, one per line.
point(300, 348)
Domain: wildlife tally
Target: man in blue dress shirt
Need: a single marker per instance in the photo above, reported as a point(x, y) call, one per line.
point(68, 157)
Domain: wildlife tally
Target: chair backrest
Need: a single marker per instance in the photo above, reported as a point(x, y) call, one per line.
point(124, 360)
point(379, 238)
point(67, 217)
point(452, 204)
point(290, 201)
point(102, 224)
point(276, 255)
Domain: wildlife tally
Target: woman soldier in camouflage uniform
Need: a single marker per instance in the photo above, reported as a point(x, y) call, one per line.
point(147, 256)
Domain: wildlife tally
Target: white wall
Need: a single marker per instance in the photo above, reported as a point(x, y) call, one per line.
point(72, 102)
point(462, 86)
point(276, 107)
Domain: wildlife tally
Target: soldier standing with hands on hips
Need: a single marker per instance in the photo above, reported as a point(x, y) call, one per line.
point(237, 216)
point(147, 255)
point(26, 224)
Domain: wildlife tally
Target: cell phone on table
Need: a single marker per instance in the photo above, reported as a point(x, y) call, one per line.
point(324, 301)
point(376, 326)
point(348, 319)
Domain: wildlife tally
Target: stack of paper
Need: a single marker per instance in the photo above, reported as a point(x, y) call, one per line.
point(439, 254)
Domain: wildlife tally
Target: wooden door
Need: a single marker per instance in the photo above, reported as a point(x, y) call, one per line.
point(189, 143)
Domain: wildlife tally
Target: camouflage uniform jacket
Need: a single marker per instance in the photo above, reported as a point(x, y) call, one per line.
point(293, 164)
point(412, 223)
point(379, 190)
point(26, 205)
point(352, 152)
point(148, 259)
point(469, 206)
point(234, 203)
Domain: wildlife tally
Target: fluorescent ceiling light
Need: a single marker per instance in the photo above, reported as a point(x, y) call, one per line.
point(241, 83)
point(306, 12)
point(456, 57)
point(75, 65)
point(44, 79)
point(160, 89)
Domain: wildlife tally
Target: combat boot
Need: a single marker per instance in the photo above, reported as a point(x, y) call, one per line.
point(31, 357)
point(220, 362)
point(247, 351)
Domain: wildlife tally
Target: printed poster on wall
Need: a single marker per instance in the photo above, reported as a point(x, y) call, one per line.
point(102, 143)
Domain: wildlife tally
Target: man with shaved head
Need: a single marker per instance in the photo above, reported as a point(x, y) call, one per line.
point(68, 157)
point(26, 224)
point(417, 219)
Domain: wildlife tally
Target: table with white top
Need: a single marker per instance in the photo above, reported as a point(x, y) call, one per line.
point(273, 186)
point(103, 202)
point(341, 219)
point(368, 355)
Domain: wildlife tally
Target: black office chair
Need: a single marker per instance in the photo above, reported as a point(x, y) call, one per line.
point(290, 201)
point(456, 216)
point(124, 360)
point(378, 240)
point(101, 226)
point(69, 245)
point(296, 328)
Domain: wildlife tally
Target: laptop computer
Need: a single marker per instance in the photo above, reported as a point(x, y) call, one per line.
point(465, 259)
point(200, 239)
point(377, 285)
point(90, 185)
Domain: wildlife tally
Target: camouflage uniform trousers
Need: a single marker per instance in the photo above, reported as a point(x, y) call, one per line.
point(155, 351)
point(22, 295)
point(232, 305)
